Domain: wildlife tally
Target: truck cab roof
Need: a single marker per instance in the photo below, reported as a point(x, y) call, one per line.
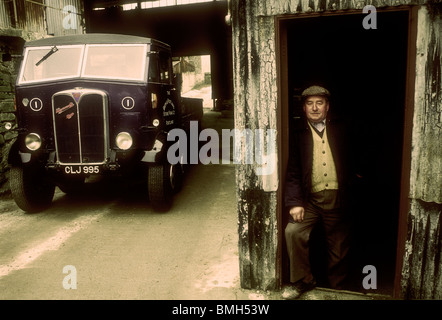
point(95, 38)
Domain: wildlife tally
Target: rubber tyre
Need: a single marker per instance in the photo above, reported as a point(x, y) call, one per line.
point(176, 177)
point(31, 190)
point(160, 188)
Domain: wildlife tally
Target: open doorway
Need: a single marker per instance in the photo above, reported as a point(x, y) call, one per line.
point(195, 78)
point(365, 71)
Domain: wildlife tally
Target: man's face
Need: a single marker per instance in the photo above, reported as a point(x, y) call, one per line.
point(316, 108)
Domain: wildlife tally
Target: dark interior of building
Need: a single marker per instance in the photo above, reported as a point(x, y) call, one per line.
point(365, 71)
point(190, 30)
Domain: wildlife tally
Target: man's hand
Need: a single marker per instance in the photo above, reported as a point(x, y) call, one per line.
point(297, 213)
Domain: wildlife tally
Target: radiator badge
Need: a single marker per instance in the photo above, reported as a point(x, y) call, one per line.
point(76, 95)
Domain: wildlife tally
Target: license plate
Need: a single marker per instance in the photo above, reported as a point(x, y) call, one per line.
point(82, 169)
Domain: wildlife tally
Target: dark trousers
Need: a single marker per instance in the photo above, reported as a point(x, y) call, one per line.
point(324, 209)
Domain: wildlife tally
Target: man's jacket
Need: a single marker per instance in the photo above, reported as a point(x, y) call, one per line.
point(299, 170)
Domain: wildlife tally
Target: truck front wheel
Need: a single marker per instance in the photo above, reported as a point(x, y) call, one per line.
point(163, 181)
point(30, 188)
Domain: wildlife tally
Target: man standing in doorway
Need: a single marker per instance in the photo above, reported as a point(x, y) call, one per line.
point(316, 183)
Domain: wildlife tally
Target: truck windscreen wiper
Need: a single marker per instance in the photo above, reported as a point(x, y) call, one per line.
point(53, 50)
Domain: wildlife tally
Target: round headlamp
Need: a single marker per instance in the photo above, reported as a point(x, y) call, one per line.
point(124, 140)
point(33, 141)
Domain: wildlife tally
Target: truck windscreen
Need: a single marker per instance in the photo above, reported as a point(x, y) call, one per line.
point(104, 61)
point(44, 63)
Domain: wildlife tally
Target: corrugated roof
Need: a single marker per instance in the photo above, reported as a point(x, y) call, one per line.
point(56, 15)
point(5, 20)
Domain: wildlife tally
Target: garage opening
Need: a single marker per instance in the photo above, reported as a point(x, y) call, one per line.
point(365, 71)
point(194, 73)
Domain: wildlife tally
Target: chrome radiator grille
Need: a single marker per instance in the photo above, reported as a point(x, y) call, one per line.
point(80, 126)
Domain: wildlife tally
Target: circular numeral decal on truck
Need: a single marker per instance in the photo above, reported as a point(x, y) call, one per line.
point(36, 104)
point(128, 103)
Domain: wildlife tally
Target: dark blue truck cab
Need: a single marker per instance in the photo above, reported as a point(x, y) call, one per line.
point(95, 104)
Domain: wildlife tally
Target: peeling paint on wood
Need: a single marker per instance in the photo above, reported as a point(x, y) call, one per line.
point(426, 171)
point(422, 264)
point(422, 269)
point(256, 102)
point(256, 224)
point(280, 7)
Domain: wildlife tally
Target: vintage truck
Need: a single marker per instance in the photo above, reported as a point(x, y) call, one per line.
point(96, 104)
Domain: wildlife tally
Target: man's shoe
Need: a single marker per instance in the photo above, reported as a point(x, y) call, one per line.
point(290, 293)
point(305, 286)
point(295, 291)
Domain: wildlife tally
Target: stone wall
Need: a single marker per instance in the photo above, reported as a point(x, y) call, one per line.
point(10, 49)
point(7, 124)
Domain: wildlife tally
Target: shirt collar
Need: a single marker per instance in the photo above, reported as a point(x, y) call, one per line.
point(320, 126)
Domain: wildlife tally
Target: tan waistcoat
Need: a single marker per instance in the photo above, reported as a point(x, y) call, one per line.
point(323, 169)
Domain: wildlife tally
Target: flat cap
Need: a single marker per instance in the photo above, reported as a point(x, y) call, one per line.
point(315, 91)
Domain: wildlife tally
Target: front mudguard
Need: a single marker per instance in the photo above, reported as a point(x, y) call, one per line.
point(15, 157)
point(19, 158)
point(158, 153)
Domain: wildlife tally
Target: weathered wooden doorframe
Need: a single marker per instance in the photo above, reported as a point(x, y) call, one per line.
point(283, 129)
point(404, 203)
